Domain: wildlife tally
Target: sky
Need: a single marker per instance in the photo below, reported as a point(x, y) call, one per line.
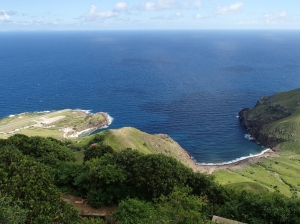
point(152, 14)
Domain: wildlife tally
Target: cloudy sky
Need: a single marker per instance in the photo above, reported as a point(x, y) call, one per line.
point(151, 14)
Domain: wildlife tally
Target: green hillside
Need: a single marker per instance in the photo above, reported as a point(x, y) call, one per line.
point(274, 122)
point(133, 138)
point(275, 119)
point(143, 188)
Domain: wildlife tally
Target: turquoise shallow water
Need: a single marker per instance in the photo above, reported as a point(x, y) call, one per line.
point(188, 84)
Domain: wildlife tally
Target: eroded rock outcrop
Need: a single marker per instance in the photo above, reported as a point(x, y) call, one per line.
point(94, 122)
point(270, 121)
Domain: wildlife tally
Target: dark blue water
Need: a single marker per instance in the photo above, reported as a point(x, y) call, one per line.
point(188, 84)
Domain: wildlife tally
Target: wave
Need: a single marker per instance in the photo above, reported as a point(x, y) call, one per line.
point(110, 120)
point(233, 161)
point(249, 137)
point(85, 111)
point(35, 112)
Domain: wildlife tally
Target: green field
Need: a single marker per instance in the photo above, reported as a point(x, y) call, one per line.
point(280, 174)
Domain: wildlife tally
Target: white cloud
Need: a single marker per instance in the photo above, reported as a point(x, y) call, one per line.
point(253, 22)
point(178, 15)
point(121, 6)
point(35, 22)
point(198, 16)
point(273, 17)
point(197, 3)
point(5, 16)
point(158, 5)
point(232, 9)
point(93, 15)
point(192, 3)
point(159, 17)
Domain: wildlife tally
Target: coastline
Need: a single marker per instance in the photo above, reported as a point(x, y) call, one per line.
point(85, 132)
point(62, 124)
point(210, 168)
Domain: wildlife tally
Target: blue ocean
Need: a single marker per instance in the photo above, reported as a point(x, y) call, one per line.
point(187, 84)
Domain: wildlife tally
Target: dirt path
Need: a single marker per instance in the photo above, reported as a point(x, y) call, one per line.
point(85, 209)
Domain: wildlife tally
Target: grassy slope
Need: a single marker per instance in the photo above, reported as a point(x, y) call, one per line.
point(275, 174)
point(129, 137)
point(279, 173)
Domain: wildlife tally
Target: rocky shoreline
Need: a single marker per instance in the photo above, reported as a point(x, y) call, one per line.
point(91, 126)
point(265, 112)
point(96, 124)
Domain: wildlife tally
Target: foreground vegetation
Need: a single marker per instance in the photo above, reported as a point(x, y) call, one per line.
point(149, 188)
point(129, 137)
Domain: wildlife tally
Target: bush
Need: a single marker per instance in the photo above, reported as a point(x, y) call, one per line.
point(28, 182)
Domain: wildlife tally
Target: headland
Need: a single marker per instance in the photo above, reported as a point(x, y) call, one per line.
point(62, 124)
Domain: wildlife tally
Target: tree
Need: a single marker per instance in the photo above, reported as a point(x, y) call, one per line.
point(135, 211)
point(181, 207)
point(65, 174)
point(159, 174)
point(46, 150)
point(28, 182)
point(96, 151)
point(10, 211)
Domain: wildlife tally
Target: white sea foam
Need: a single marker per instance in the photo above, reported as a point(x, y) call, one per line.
point(110, 119)
point(41, 112)
point(35, 112)
point(249, 137)
point(235, 160)
point(85, 111)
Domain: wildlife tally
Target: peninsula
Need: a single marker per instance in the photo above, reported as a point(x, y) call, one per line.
point(274, 119)
point(62, 124)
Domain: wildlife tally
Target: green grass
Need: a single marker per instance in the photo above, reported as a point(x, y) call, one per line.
point(145, 143)
point(248, 186)
point(279, 173)
point(3, 136)
point(45, 132)
point(79, 157)
point(71, 118)
point(16, 126)
point(17, 118)
point(225, 177)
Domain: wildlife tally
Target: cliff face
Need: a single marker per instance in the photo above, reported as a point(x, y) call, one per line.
point(273, 118)
point(94, 121)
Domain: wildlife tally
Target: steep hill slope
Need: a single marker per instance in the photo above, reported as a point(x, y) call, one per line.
point(129, 137)
point(274, 119)
point(273, 122)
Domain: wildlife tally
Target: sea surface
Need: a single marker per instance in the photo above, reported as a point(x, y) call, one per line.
point(187, 84)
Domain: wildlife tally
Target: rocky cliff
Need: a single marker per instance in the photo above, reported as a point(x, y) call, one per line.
point(274, 119)
point(94, 121)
